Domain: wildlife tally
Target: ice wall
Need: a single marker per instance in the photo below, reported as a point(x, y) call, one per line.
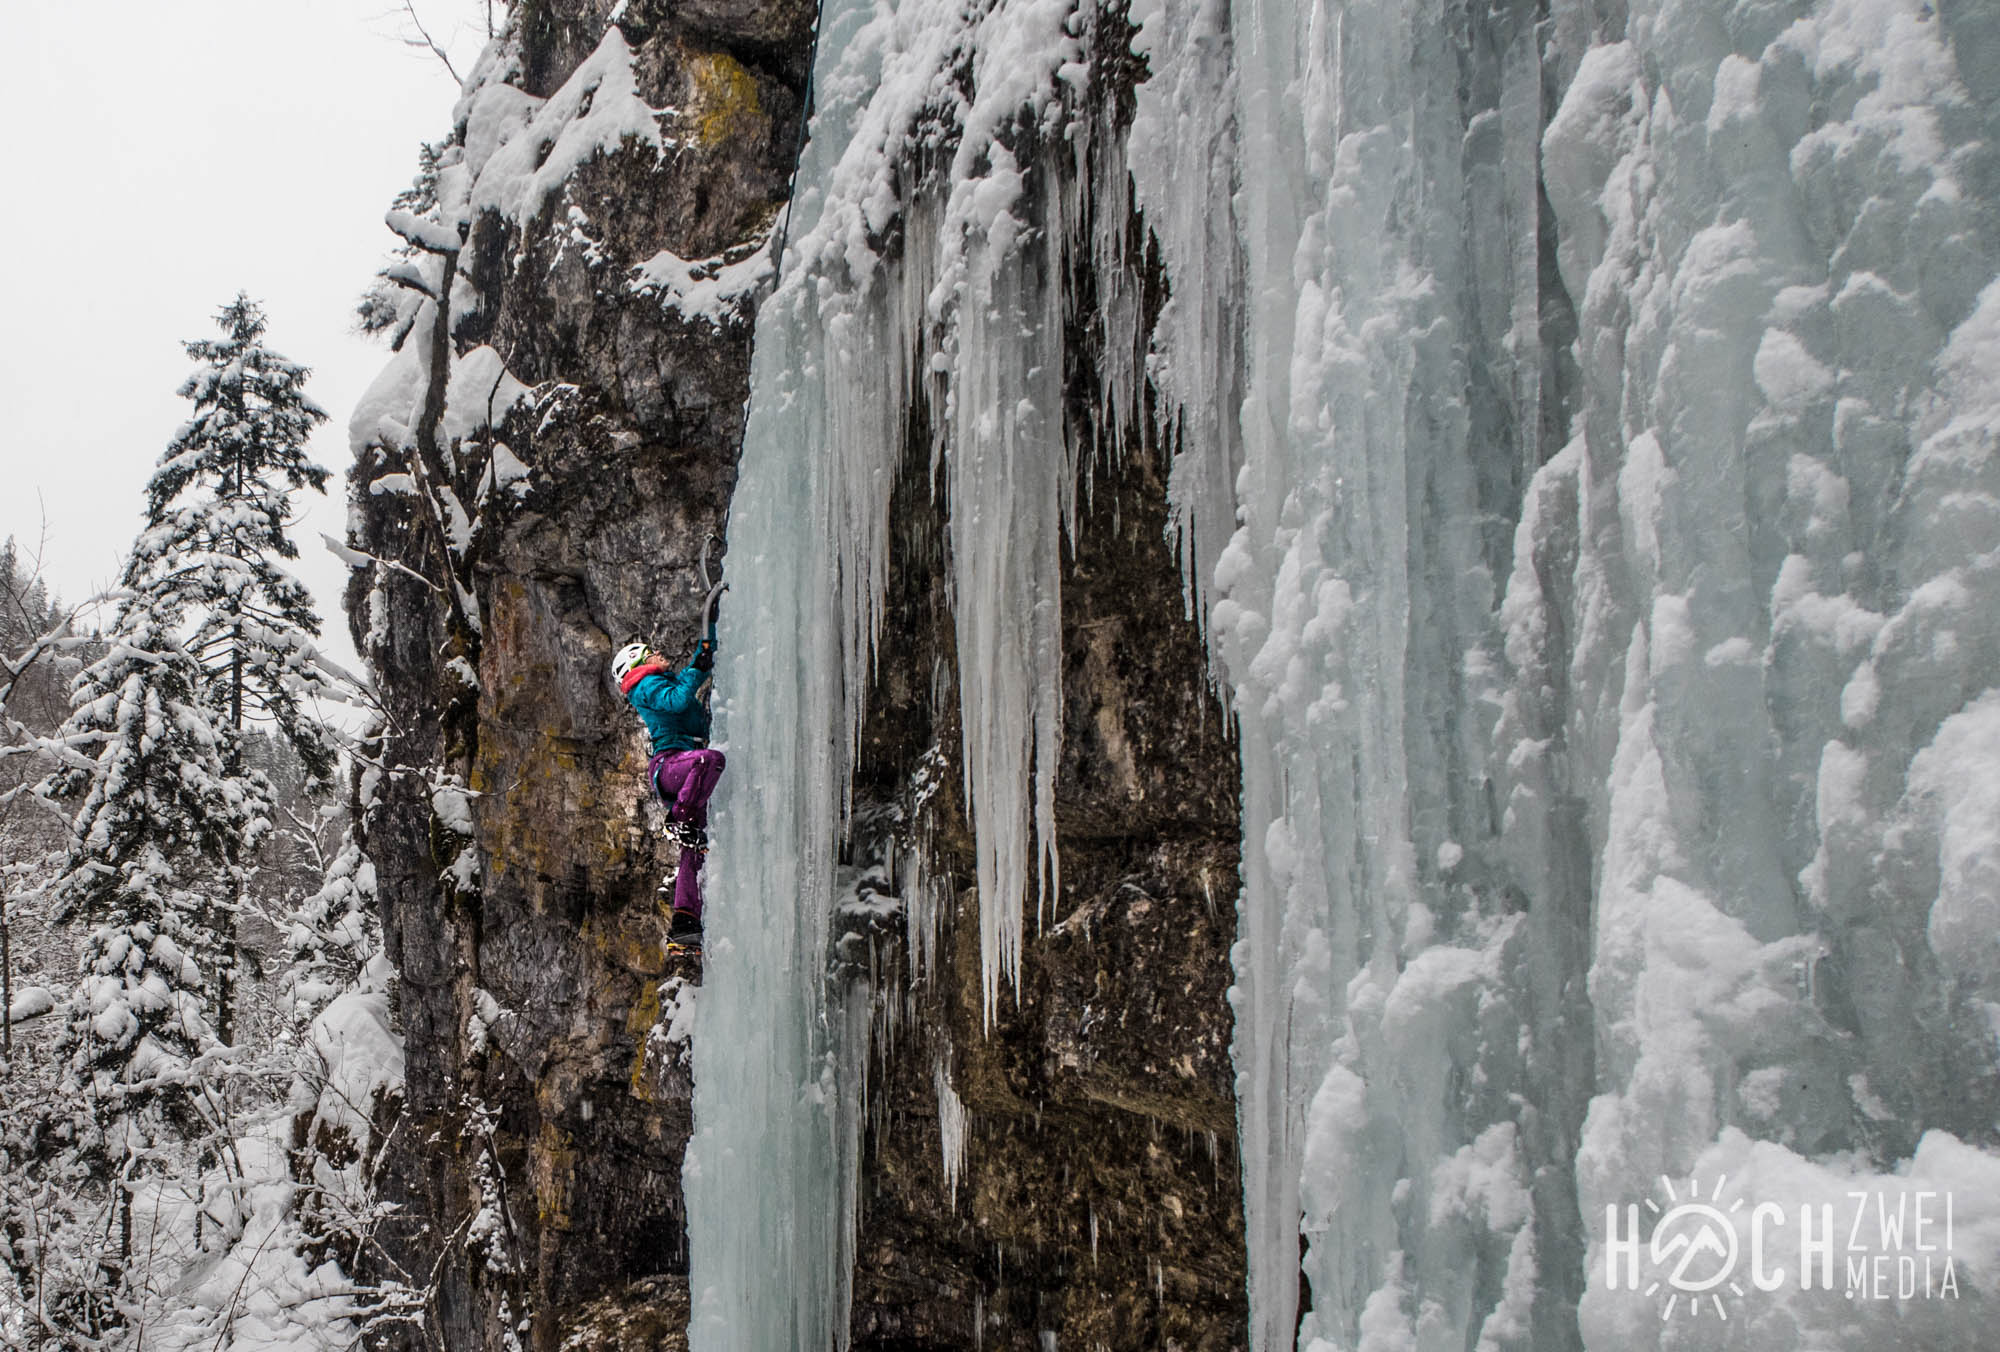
point(767, 1242)
point(1391, 345)
point(1615, 849)
point(1785, 264)
point(1586, 421)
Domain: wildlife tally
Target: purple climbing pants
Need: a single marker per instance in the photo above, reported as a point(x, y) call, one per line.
point(684, 780)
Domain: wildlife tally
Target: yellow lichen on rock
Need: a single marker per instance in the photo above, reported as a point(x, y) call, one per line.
point(645, 1013)
point(633, 941)
point(725, 104)
point(553, 1173)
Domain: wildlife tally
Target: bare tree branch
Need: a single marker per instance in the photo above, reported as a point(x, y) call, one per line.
point(424, 38)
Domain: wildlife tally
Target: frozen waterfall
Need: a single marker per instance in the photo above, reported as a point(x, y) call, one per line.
point(966, 317)
point(1600, 455)
point(1604, 401)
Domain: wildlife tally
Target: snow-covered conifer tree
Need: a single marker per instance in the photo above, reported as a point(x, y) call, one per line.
point(155, 839)
point(210, 556)
point(152, 875)
point(212, 634)
point(218, 511)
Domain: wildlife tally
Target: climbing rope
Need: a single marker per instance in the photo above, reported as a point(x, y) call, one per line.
point(798, 149)
point(717, 587)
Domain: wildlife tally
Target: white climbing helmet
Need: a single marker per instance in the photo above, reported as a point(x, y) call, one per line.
point(629, 656)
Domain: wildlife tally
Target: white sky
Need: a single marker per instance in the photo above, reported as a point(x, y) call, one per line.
point(161, 157)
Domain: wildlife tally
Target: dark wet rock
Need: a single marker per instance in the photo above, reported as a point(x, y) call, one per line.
point(649, 1315)
point(1099, 1198)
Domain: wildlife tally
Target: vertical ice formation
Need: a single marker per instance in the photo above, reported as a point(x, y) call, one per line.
point(1183, 158)
point(951, 1125)
point(1786, 464)
point(1011, 482)
point(1611, 628)
point(1605, 406)
point(1354, 598)
point(937, 207)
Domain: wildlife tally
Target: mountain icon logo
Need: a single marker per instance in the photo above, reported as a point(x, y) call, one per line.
point(1694, 1248)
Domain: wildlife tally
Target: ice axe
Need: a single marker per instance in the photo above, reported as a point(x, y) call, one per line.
point(715, 588)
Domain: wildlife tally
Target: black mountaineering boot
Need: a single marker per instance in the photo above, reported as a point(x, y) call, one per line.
point(685, 935)
point(688, 836)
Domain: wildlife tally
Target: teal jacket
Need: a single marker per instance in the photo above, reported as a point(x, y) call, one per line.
point(672, 709)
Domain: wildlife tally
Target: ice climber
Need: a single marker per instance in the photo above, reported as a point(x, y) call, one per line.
point(683, 769)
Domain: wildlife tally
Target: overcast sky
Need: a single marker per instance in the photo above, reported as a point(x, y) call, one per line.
point(163, 156)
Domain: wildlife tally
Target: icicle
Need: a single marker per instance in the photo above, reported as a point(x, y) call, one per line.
point(951, 1125)
point(923, 896)
point(1183, 160)
point(1012, 480)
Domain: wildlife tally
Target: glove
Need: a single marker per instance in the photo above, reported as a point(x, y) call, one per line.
point(704, 656)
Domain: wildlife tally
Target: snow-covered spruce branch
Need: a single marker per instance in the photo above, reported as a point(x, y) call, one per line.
point(61, 749)
point(410, 278)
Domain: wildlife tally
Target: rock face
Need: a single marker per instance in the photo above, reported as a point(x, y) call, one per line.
point(1093, 1191)
point(538, 1164)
